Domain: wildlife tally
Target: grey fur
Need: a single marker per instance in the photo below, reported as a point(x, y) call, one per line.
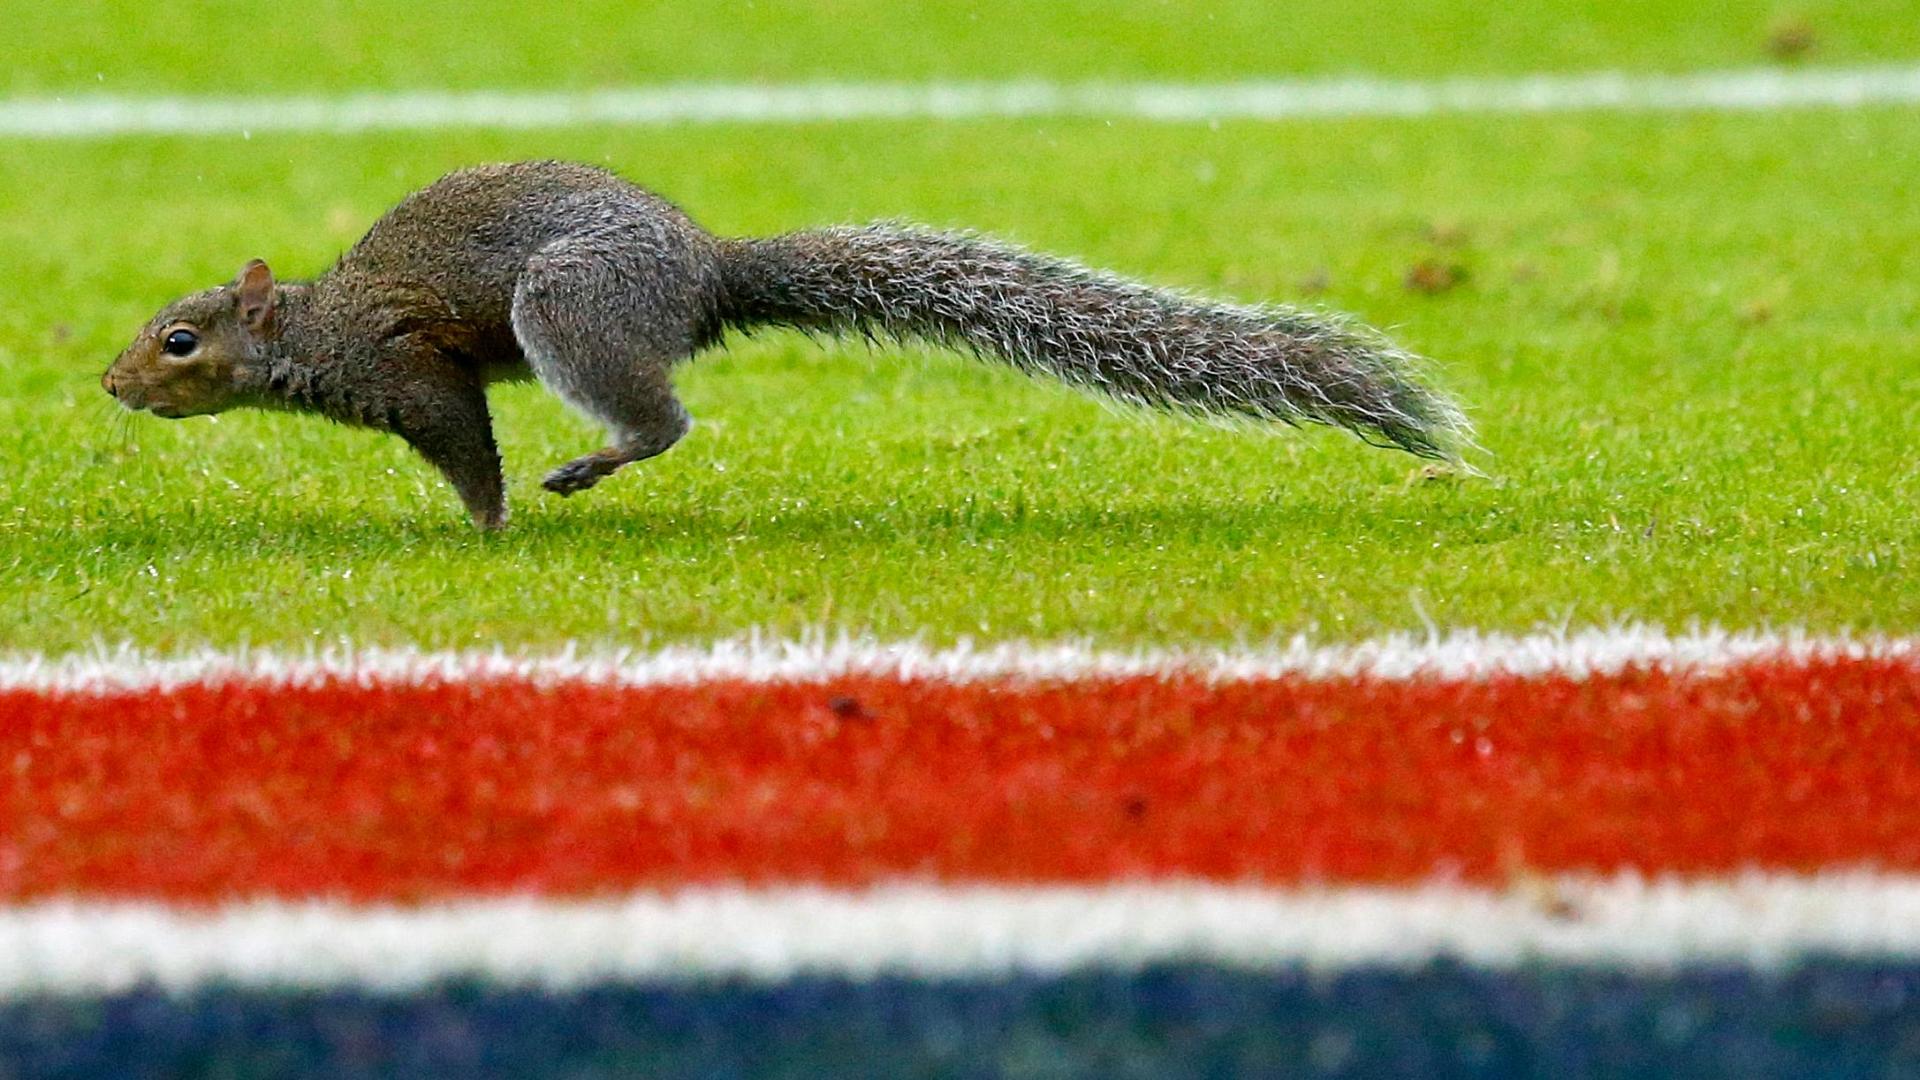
point(597, 287)
point(1151, 347)
point(588, 315)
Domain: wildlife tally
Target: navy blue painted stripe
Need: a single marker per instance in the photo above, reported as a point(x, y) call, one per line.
point(1826, 1018)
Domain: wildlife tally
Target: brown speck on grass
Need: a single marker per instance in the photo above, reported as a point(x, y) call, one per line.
point(1434, 473)
point(1315, 283)
point(1762, 308)
point(1433, 276)
point(1790, 37)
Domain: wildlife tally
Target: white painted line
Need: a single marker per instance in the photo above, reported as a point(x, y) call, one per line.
point(1761, 921)
point(1733, 90)
point(1459, 655)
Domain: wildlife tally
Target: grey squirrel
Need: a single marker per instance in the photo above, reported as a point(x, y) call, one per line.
point(597, 287)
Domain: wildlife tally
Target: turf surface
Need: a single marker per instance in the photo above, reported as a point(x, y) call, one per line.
point(236, 47)
point(408, 792)
point(1831, 1017)
point(1688, 341)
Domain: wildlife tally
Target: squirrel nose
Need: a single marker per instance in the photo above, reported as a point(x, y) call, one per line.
point(106, 381)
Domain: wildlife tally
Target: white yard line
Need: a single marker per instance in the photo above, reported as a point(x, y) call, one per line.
point(1763, 921)
point(1733, 90)
point(1458, 655)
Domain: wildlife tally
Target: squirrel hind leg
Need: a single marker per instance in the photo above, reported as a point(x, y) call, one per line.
point(629, 446)
point(598, 331)
point(643, 421)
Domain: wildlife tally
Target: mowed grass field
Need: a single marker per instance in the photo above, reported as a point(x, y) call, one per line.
point(1691, 342)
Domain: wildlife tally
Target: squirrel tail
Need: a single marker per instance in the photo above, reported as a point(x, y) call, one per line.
point(1138, 344)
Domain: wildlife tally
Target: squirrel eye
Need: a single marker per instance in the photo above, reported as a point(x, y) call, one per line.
point(180, 343)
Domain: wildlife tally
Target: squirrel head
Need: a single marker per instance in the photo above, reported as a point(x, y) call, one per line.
point(192, 358)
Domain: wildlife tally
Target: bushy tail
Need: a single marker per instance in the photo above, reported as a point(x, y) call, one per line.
point(1148, 346)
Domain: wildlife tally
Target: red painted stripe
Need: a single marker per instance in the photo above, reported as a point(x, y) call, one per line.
point(403, 792)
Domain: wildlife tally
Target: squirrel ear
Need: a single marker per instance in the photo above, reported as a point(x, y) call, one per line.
point(254, 288)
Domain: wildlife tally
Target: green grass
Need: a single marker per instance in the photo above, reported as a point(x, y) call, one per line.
point(235, 48)
point(1688, 341)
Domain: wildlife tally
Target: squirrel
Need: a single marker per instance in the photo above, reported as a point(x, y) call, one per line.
point(597, 287)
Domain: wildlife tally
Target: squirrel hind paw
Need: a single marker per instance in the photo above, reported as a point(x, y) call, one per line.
point(576, 475)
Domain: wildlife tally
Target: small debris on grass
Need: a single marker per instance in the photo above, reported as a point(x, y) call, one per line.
point(1435, 472)
point(1762, 308)
point(1315, 283)
point(1447, 232)
point(1434, 276)
point(1791, 37)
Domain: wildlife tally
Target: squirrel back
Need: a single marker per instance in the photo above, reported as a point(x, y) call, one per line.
point(598, 287)
point(470, 235)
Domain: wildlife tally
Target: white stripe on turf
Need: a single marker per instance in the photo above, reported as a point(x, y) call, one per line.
point(1762, 921)
point(1750, 89)
point(1458, 655)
